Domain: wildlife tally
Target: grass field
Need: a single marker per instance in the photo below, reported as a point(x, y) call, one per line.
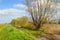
point(8, 32)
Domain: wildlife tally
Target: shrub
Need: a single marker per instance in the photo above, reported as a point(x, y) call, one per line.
point(29, 25)
point(19, 22)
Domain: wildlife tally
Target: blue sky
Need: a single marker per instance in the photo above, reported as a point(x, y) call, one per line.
point(10, 9)
point(8, 3)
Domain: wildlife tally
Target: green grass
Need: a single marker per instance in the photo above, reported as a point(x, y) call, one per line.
point(10, 33)
point(35, 31)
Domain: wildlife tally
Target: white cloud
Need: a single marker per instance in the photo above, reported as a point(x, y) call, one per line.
point(7, 11)
point(20, 6)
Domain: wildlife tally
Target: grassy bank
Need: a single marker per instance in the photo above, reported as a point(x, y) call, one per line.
point(10, 33)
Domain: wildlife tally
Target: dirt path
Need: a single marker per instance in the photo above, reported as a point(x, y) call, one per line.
point(48, 37)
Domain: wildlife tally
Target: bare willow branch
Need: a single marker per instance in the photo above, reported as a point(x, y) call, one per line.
point(40, 11)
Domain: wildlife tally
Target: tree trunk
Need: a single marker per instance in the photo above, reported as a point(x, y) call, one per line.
point(38, 26)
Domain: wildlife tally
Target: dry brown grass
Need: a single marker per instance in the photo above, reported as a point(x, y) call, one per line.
point(51, 28)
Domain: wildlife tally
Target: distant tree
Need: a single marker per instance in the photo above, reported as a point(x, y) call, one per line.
point(58, 21)
point(19, 22)
point(22, 21)
point(40, 10)
point(13, 22)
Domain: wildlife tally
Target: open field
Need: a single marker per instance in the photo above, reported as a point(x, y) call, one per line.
point(8, 32)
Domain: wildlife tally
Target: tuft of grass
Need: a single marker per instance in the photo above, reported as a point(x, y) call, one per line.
point(10, 33)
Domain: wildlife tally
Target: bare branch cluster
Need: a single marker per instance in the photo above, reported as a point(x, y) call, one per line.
point(40, 10)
